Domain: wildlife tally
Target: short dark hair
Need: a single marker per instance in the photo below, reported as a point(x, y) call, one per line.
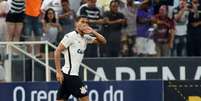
point(79, 17)
point(114, 1)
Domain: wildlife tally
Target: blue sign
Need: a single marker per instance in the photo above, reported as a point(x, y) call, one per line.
point(98, 91)
point(125, 91)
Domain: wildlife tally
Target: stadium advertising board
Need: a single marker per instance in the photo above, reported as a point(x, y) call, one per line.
point(145, 68)
point(98, 91)
point(123, 69)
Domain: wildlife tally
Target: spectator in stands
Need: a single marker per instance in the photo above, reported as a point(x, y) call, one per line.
point(32, 22)
point(14, 19)
point(51, 29)
point(157, 4)
point(66, 19)
point(194, 30)
point(4, 8)
point(145, 45)
point(115, 22)
point(94, 15)
point(180, 15)
point(54, 4)
point(121, 4)
point(129, 33)
point(164, 31)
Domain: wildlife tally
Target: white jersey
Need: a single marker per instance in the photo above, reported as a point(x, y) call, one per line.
point(75, 45)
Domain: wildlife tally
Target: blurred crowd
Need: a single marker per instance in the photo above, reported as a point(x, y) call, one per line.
point(132, 28)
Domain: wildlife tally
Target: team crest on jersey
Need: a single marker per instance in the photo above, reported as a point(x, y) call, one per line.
point(83, 90)
point(80, 51)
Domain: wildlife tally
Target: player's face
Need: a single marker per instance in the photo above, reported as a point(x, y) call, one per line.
point(82, 24)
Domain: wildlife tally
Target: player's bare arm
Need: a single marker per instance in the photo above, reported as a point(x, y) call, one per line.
point(99, 38)
point(57, 57)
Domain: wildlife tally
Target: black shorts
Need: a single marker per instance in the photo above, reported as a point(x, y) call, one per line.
point(71, 85)
point(15, 17)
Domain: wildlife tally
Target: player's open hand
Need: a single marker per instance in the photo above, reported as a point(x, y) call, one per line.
point(59, 77)
point(86, 29)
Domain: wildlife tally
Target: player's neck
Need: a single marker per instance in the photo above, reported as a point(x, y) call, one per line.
point(79, 32)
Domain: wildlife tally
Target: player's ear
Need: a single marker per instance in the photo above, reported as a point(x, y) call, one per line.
point(76, 24)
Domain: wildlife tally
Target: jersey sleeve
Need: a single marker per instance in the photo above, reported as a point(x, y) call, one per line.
point(67, 41)
point(89, 39)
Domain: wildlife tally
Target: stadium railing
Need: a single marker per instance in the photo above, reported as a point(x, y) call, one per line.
point(9, 46)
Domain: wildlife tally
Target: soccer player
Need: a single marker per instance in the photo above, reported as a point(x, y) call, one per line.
point(73, 46)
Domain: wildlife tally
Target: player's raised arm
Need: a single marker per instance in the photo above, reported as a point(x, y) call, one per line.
point(99, 38)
